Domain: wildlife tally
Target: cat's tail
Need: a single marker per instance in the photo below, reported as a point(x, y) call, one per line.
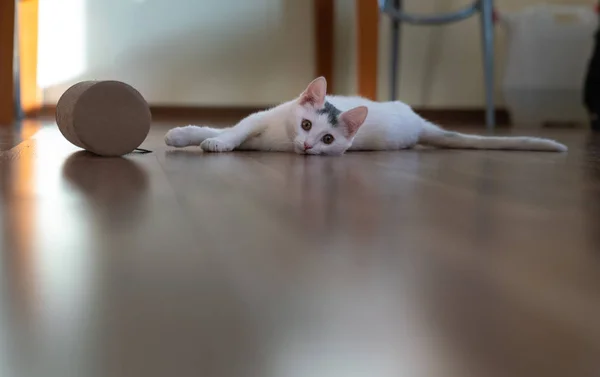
point(435, 136)
point(190, 135)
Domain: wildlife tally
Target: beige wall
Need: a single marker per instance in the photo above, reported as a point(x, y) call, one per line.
point(186, 52)
point(440, 65)
point(258, 52)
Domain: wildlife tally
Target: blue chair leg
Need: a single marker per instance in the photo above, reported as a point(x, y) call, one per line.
point(18, 108)
point(485, 7)
point(487, 32)
point(394, 58)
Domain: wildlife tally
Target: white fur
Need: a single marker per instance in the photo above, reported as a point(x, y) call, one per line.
point(387, 126)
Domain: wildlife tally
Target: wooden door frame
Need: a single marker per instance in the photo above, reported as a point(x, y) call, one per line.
point(7, 37)
point(31, 94)
point(27, 43)
point(367, 47)
point(324, 18)
point(367, 44)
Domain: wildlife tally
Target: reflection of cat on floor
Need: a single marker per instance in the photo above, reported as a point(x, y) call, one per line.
point(315, 123)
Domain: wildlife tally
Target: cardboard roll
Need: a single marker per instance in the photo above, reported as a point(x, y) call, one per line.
point(108, 118)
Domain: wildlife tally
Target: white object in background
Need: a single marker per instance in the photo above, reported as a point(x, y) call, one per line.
point(549, 47)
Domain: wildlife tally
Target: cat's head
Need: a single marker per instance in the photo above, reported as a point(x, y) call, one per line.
point(321, 128)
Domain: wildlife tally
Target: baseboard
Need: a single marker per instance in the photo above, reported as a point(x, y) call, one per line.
point(43, 111)
point(212, 113)
point(160, 112)
point(445, 117)
point(463, 116)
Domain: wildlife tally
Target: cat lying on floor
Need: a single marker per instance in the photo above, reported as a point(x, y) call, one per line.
point(315, 123)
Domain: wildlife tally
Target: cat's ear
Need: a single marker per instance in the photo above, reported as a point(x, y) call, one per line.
point(353, 119)
point(315, 93)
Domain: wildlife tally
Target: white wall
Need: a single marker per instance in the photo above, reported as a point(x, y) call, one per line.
point(194, 52)
point(252, 52)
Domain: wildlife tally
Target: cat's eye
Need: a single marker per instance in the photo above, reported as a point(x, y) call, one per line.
point(328, 139)
point(306, 125)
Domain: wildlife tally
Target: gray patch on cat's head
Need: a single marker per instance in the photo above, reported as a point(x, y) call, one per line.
point(332, 113)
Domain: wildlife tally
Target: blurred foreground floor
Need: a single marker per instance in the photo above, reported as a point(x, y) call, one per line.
point(415, 263)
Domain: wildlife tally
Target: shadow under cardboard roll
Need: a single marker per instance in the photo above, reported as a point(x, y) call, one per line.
point(115, 187)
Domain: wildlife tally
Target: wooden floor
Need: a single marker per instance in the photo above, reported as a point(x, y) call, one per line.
point(413, 263)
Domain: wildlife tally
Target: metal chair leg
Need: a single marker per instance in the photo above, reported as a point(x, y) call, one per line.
point(394, 59)
point(484, 7)
point(487, 33)
point(18, 108)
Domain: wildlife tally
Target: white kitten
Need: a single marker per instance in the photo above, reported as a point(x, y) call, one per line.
point(315, 123)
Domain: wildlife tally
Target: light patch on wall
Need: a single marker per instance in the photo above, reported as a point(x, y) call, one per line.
point(61, 51)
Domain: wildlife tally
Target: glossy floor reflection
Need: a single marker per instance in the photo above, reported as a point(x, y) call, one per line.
point(415, 263)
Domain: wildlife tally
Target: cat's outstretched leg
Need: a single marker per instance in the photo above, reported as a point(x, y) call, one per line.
point(190, 135)
point(233, 137)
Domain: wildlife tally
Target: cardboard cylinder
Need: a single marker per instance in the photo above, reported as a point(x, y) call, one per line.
point(108, 118)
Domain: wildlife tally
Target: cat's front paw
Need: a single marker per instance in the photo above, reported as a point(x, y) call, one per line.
point(216, 145)
point(177, 137)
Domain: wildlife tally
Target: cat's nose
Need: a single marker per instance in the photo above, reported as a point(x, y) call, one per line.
point(306, 146)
